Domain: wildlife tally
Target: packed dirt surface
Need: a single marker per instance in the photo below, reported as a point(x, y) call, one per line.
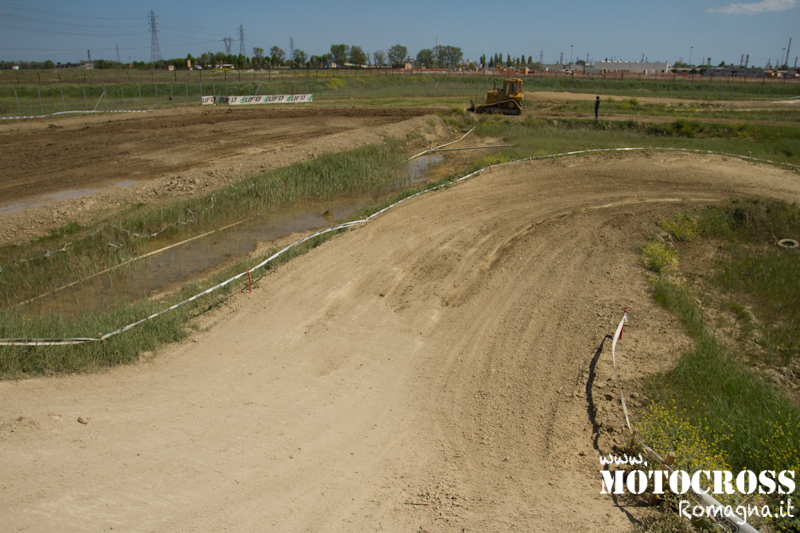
point(105, 163)
point(445, 367)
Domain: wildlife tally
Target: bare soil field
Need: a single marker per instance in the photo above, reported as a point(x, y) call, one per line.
point(444, 368)
point(121, 159)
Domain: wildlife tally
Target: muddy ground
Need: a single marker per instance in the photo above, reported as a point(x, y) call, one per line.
point(128, 158)
point(445, 367)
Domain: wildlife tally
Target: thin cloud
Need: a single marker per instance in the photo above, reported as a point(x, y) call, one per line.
point(765, 6)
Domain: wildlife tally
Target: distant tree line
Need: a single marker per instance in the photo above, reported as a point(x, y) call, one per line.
point(340, 55)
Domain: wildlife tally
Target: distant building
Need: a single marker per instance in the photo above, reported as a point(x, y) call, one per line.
point(732, 72)
point(632, 67)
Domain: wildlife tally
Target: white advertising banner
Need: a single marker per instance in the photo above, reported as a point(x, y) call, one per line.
point(264, 99)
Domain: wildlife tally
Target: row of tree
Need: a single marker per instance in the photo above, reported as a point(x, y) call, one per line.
point(340, 55)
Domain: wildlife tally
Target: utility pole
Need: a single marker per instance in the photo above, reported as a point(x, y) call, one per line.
point(118, 59)
point(155, 49)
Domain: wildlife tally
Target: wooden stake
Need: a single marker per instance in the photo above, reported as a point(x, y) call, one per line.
point(670, 460)
point(633, 441)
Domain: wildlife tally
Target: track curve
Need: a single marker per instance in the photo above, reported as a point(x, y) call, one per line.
point(427, 371)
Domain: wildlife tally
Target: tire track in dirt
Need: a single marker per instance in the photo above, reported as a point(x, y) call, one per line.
point(426, 371)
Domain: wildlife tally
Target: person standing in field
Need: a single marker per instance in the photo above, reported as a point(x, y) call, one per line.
point(596, 107)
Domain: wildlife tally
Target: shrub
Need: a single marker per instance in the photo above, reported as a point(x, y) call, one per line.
point(658, 257)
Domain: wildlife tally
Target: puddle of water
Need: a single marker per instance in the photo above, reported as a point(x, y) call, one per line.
point(16, 207)
point(183, 262)
point(419, 166)
point(66, 194)
point(47, 199)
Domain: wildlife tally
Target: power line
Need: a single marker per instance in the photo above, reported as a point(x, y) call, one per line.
point(155, 49)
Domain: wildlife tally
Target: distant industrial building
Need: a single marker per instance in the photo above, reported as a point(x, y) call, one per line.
point(732, 72)
point(632, 67)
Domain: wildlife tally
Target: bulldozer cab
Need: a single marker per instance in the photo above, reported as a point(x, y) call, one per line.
point(511, 87)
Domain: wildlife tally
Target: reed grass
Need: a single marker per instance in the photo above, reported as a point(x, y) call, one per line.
point(38, 267)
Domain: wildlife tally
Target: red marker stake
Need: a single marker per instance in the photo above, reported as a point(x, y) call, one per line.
point(623, 324)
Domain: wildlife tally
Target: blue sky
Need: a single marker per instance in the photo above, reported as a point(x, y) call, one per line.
point(64, 30)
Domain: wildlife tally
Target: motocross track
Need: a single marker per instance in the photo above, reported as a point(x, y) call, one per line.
point(444, 368)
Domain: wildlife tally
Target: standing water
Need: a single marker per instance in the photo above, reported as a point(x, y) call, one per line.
point(179, 264)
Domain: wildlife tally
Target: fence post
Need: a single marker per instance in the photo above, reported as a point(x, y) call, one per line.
point(187, 94)
point(141, 104)
point(19, 114)
point(85, 105)
point(171, 95)
point(122, 92)
point(63, 104)
point(41, 109)
point(106, 95)
point(155, 86)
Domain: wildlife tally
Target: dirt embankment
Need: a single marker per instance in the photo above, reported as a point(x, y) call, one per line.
point(444, 368)
point(149, 157)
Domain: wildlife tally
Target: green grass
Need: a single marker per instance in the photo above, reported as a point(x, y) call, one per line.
point(755, 425)
point(688, 110)
point(753, 267)
point(35, 92)
point(733, 415)
point(535, 137)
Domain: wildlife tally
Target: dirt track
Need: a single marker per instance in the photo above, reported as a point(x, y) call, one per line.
point(443, 368)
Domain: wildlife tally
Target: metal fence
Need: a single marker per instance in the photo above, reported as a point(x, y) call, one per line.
point(51, 97)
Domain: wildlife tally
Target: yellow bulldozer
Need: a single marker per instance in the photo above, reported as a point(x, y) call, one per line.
point(507, 100)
